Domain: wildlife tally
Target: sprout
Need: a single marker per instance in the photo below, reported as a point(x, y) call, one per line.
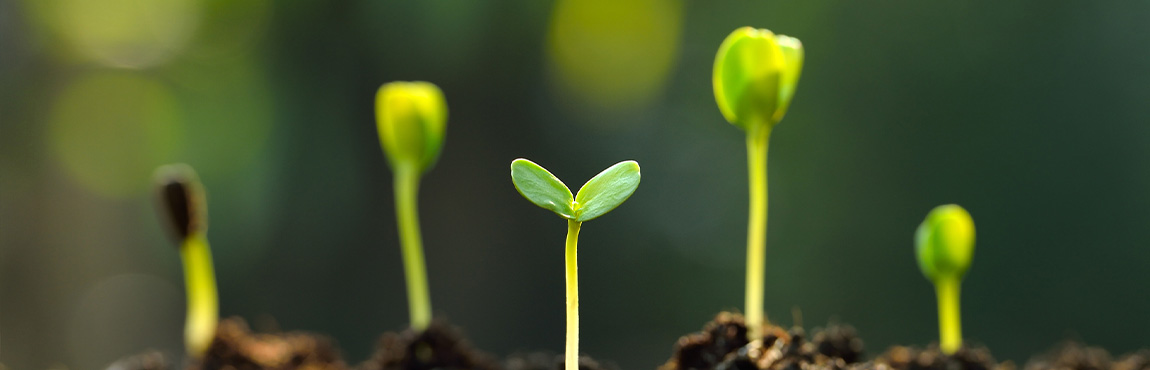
point(754, 80)
point(755, 76)
point(598, 196)
point(411, 118)
point(944, 245)
point(182, 204)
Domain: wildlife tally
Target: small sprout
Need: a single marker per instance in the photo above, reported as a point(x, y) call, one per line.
point(598, 196)
point(412, 119)
point(183, 205)
point(754, 80)
point(944, 245)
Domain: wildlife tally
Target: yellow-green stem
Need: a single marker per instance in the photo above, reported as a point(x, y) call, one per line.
point(407, 217)
point(757, 142)
point(571, 356)
point(203, 302)
point(949, 321)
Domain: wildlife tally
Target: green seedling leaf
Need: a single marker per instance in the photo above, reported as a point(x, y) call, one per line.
point(542, 188)
point(606, 190)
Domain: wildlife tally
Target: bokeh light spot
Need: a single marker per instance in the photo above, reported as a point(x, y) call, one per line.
point(123, 33)
point(614, 54)
point(110, 130)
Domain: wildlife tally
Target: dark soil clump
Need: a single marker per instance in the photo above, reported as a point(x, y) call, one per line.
point(723, 345)
point(440, 347)
point(706, 349)
point(235, 347)
point(967, 358)
point(839, 341)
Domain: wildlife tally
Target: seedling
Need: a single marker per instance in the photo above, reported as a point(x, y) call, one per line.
point(598, 196)
point(411, 118)
point(182, 204)
point(754, 80)
point(944, 245)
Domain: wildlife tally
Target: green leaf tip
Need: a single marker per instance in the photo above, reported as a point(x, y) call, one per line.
point(181, 201)
point(412, 120)
point(755, 75)
point(945, 243)
point(598, 196)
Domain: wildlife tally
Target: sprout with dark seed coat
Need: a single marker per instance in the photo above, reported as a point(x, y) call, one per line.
point(183, 205)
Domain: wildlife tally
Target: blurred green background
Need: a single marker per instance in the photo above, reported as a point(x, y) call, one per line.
point(1031, 114)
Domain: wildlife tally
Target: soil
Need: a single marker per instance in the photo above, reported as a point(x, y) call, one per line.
point(1076, 356)
point(440, 347)
point(237, 348)
point(967, 358)
point(1135, 361)
point(723, 345)
point(549, 361)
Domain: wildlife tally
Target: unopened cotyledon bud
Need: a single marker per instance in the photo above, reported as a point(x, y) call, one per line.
point(412, 119)
point(945, 243)
point(755, 76)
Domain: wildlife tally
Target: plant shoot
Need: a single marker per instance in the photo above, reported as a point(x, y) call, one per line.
point(411, 118)
point(755, 75)
point(183, 205)
point(598, 196)
point(944, 245)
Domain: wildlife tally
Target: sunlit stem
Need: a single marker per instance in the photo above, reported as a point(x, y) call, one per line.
point(203, 303)
point(757, 142)
point(407, 216)
point(571, 356)
point(949, 322)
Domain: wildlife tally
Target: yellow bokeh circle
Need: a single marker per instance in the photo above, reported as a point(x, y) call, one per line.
point(108, 131)
point(614, 54)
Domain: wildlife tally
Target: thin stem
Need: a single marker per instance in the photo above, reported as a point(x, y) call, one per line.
point(571, 357)
point(757, 143)
point(407, 217)
point(203, 302)
point(949, 321)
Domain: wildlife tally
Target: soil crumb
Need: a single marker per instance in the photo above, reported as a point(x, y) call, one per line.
point(723, 345)
point(549, 361)
point(440, 347)
point(966, 358)
point(235, 347)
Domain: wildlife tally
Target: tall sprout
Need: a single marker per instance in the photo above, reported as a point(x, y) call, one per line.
point(755, 75)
